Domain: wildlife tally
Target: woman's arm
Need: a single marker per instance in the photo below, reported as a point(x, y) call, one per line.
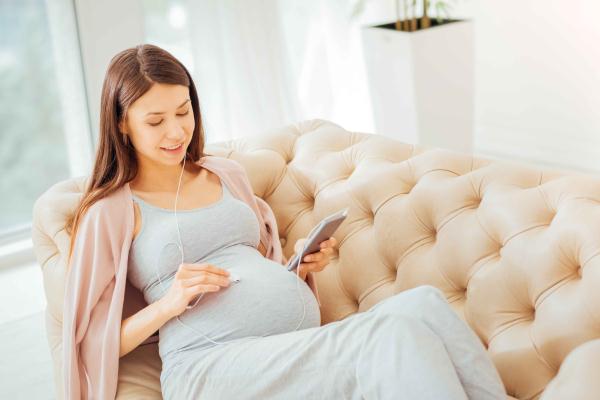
point(139, 326)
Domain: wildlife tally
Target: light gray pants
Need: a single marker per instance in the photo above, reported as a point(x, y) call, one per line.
point(411, 345)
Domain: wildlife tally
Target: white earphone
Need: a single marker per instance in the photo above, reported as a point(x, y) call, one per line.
point(180, 246)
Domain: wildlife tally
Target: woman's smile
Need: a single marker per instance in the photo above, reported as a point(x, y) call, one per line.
point(173, 150)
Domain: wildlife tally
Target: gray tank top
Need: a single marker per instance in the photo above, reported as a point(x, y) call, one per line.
point(266, 301)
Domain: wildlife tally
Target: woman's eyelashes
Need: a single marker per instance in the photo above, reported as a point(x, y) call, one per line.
point(160, 122)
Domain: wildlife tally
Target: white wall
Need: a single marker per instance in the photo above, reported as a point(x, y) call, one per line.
point(536, 82)
point(537, 86)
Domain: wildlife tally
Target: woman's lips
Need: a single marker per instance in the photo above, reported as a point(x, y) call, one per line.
point(173, 151)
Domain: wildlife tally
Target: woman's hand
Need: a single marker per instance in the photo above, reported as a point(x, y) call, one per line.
point(191, 280)
point(316, 261)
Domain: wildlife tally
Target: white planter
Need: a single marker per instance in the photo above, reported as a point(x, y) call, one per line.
point(422, 84)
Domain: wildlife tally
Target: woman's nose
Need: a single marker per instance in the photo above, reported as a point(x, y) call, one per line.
point(175, 131)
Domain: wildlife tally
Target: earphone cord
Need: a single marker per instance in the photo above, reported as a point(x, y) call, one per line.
point(180, 245)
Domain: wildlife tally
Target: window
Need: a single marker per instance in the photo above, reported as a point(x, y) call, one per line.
point(44, 124)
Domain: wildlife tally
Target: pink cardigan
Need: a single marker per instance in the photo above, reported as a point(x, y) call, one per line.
point(98, 295)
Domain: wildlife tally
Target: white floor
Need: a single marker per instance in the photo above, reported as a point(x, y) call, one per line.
point(25, 362)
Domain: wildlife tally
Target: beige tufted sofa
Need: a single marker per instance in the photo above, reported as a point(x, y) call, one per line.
point(514, 248)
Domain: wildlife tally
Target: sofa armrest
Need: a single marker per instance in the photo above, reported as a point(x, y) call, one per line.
point(578, 375)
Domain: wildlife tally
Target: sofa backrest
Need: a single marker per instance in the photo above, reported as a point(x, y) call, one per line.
point(513, 247)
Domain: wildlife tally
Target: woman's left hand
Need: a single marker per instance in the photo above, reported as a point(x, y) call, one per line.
point(316, 261)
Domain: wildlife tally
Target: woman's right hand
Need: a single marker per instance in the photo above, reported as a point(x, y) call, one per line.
point(189, 281)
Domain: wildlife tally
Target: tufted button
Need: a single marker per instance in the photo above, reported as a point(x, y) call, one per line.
point(288, 157)
point(499, 250)
point(311, 200)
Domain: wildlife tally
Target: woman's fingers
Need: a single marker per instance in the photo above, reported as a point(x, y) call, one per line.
point(313, 266)
point(303, 271)
point(312, 257)
point(319, 256)
point(203, 269)
point(331, 242)
point(206, 280)
point(327, 251)
point(329, 246)
point(305, 268)
point(202, 288)
point(206, 267)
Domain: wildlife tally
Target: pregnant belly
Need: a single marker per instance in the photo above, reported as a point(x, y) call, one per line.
point(268, 300)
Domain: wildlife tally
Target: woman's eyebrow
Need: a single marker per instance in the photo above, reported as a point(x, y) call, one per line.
point(162, 112)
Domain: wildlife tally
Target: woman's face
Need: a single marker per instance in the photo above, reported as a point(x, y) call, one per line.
point(162, 118)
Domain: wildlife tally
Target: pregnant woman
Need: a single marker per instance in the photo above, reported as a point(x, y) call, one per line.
point(233, 322)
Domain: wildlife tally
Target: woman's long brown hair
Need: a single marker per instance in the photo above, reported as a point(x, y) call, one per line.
point(130, 74)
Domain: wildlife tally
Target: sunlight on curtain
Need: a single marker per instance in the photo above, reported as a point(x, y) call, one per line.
point(263, 64)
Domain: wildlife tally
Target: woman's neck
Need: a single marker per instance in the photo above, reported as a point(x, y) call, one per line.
point(161, 178)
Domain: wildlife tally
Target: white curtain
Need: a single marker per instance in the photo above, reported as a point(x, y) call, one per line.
point(262, 64)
